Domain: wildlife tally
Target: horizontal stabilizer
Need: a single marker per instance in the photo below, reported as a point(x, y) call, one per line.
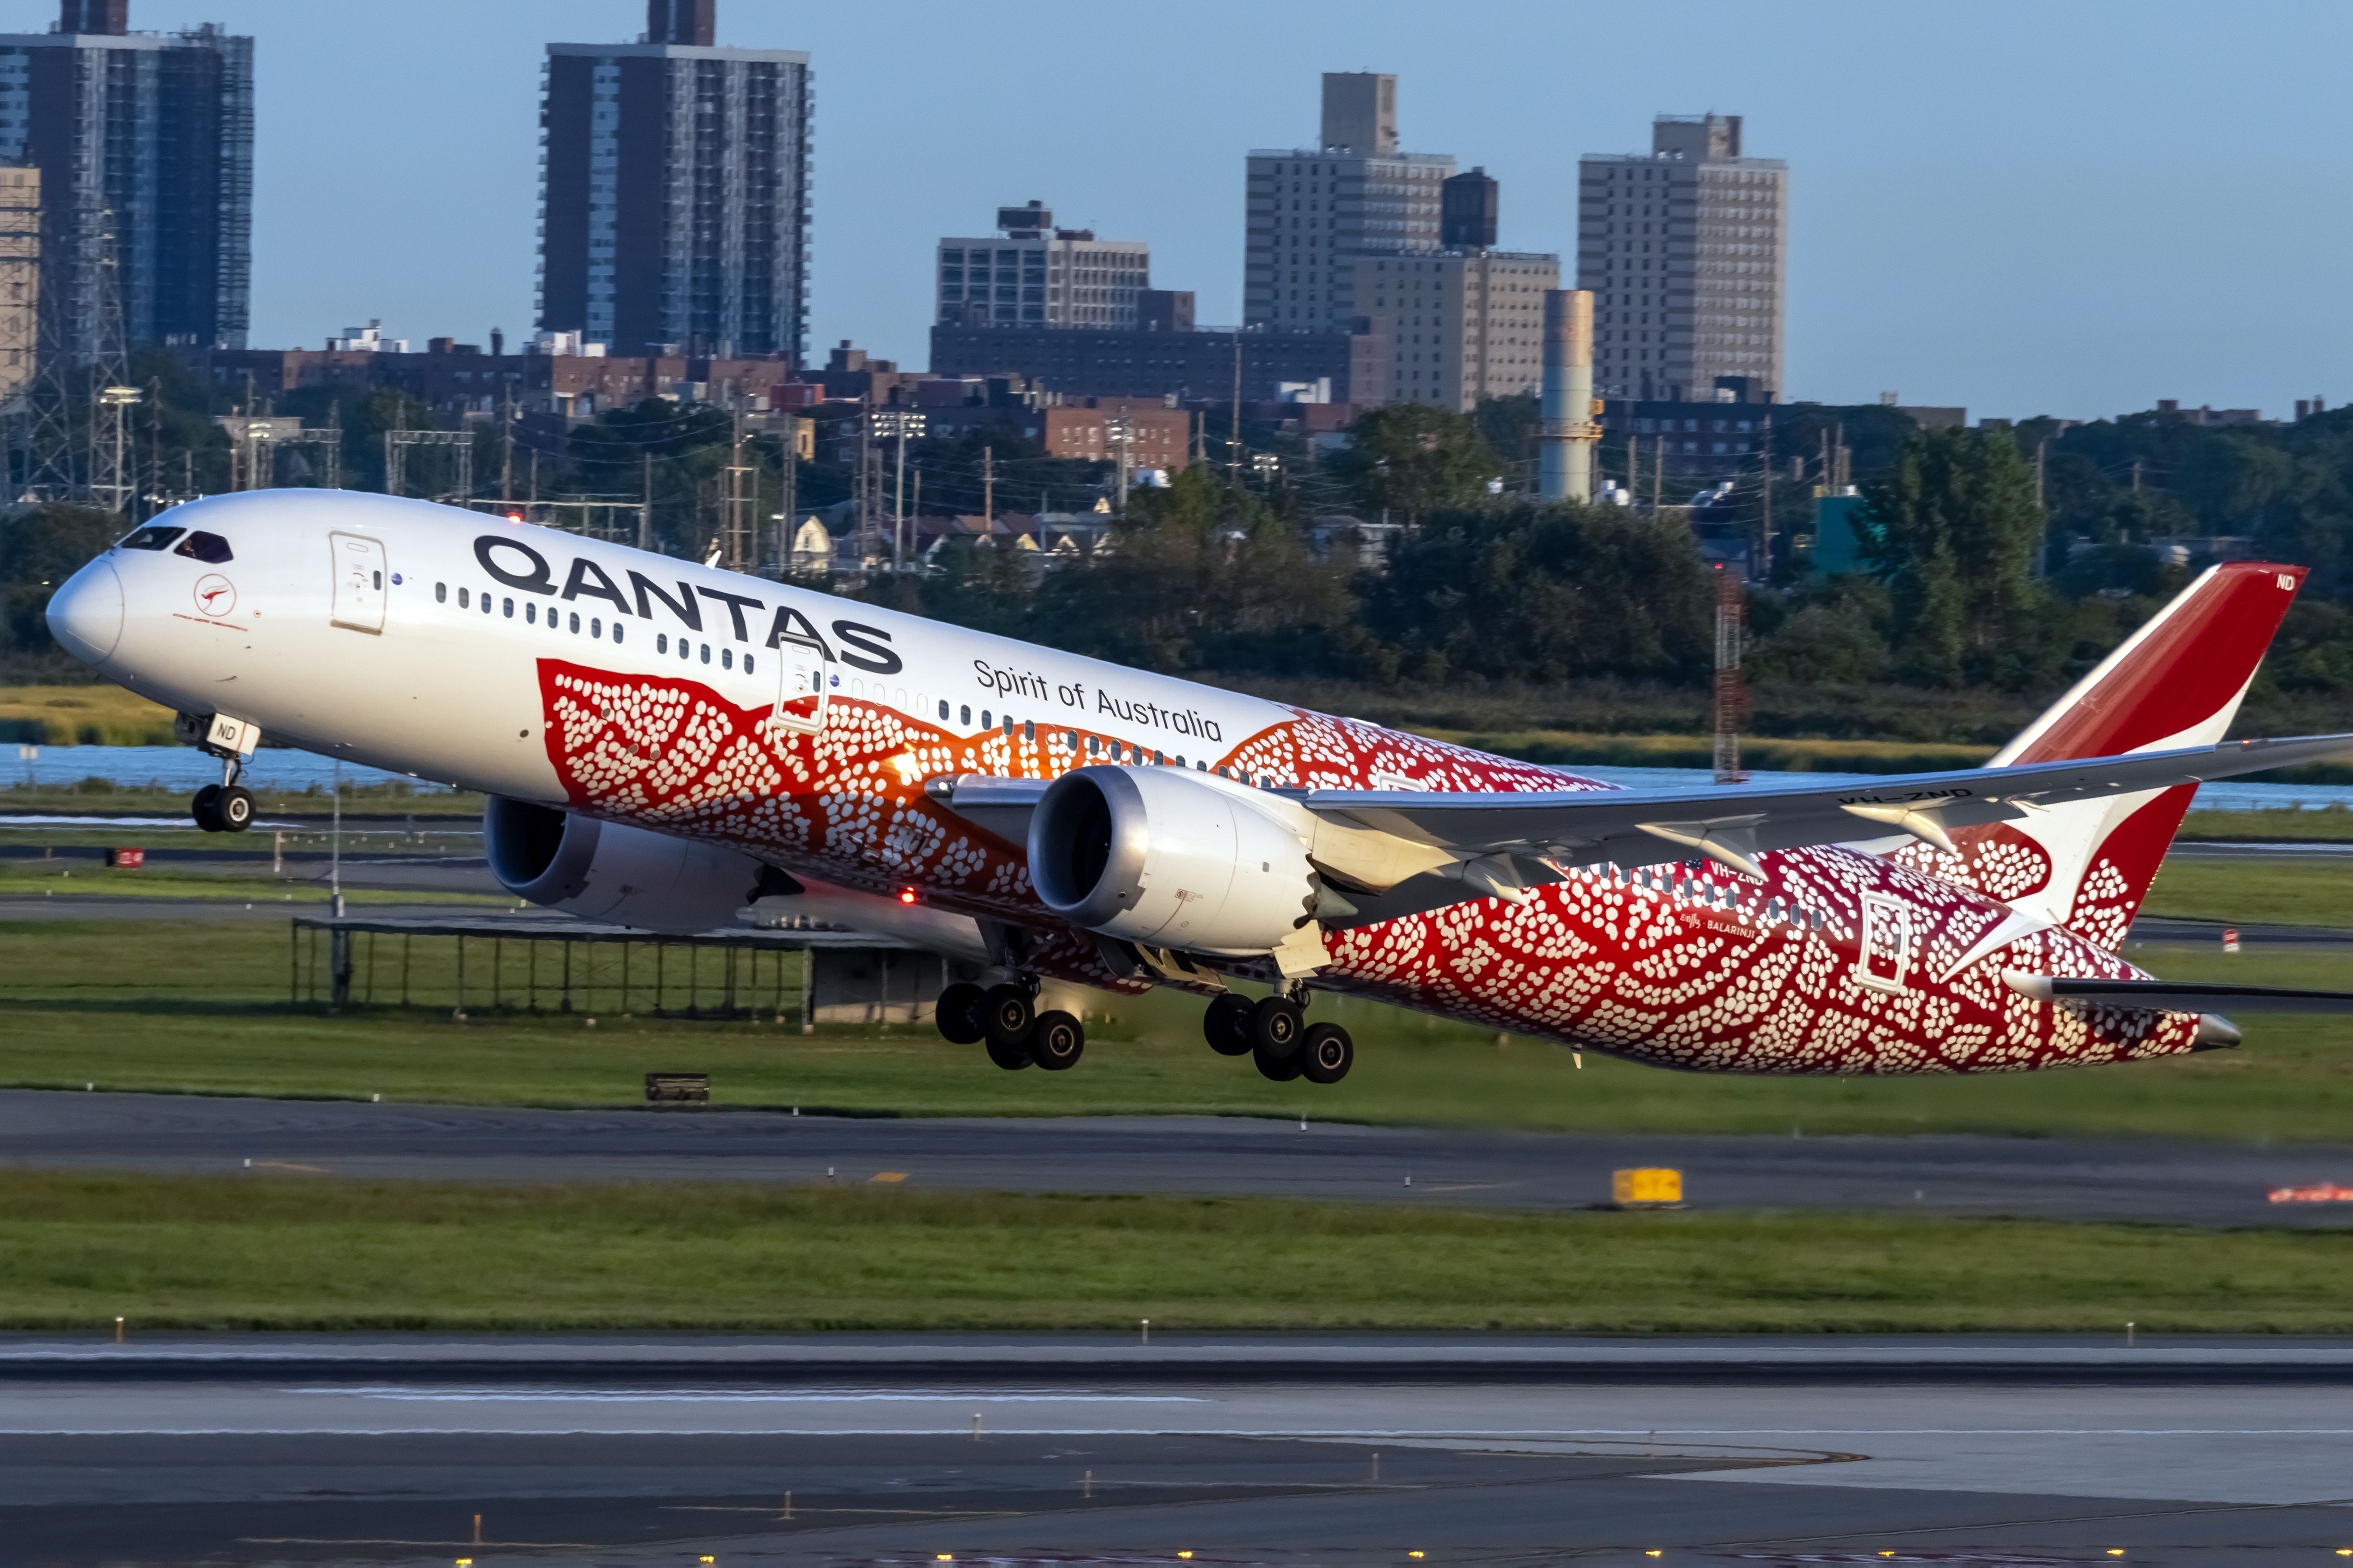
point(2176, 996)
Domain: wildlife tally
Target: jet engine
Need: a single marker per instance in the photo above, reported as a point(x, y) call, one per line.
point(1171, 858)
point(607, 871)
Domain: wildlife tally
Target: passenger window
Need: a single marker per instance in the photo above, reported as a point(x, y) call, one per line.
point(616, 637)
point(706, 653)
point(1094, 746)
point(747, 660)
point(441, 594)
point(153, 537)
point(597, 629)
point(379, 581)
point(510, 609)
point(214, 551)
point(986, 722)
point(1030, 729)
point(576, 623)
point(661, 642)
point(965, 716)
point(944, 710)
point(686, 648)
point(530, 612)
point(726, 658)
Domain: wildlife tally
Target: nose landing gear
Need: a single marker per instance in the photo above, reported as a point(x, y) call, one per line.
point(226, 806)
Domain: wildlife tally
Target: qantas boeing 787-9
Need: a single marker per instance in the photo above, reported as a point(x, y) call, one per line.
point(664, 744)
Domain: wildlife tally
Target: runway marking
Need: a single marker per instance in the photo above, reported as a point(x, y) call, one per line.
point(888, 1176)
point(286, 1165)
point(752, 1396)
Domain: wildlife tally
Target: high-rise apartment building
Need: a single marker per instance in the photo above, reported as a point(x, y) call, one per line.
point(1686, 250)
point(674, 195)
point(1311, 211)
point(1031, 274)
point(145, 141)
point(1463, 324)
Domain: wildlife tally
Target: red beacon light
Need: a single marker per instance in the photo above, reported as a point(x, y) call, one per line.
point(514, 517)
point(906, 895)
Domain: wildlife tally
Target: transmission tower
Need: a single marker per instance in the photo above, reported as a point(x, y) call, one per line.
point(112, 468)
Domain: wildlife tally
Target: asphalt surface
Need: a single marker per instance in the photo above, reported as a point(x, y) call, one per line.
point(868, 1450)
point(2129, 1179)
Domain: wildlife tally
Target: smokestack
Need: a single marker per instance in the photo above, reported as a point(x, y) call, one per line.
point(1566, 436)
point(683, 22)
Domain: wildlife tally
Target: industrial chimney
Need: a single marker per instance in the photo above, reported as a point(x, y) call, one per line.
point(1568, 434)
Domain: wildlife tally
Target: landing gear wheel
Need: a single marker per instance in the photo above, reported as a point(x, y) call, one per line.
point(1012, 1058)
point(205, 809)
point(958, 1014)
point(1226, 1024)
point(1282, 1068)
point(1327, 1055)
point(1056, 1040)
point(1008, 1017)
point(1276, 1024)
point(233, 809)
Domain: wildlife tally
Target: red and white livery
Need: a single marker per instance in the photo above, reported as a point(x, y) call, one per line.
point(665, 744)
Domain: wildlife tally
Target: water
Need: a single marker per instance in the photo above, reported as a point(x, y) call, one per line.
point(185, 768)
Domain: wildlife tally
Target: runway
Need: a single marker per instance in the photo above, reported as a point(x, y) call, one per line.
point(2073, 1178)
point(879, 1450)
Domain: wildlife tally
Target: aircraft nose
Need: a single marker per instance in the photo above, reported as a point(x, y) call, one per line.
point(86, 613)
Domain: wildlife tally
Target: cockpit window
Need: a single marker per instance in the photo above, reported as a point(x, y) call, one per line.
point(155, 536)
point(203, 546)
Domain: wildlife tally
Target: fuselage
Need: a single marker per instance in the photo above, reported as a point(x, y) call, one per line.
point(465, 648)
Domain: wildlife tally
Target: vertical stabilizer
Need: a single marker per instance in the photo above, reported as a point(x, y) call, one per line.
point(2176, 681)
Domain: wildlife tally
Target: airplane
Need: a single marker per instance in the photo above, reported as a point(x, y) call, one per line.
point(664, 744)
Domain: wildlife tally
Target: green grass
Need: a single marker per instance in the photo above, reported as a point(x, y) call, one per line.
point(289, 1253)
point(2272, 891)
point(82, 715)
point(202, 1008)
point(2325, 824)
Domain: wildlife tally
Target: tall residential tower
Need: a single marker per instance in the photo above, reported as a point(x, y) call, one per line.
point(674, 196)
point(1686, 250)
point(1313, 211)
point(144, 144)
point(1042, 276)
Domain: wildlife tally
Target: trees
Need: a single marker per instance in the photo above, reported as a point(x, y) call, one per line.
point(1411, 459)
point(1955, 534)
point(1545, 593)
point(40, 547)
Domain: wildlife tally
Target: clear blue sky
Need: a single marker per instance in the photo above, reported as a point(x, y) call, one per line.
point(2071, 208)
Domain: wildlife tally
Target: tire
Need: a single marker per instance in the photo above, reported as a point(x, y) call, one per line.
point(1226, 1024)
point(1008, 1017)
point(235, 809)
point(1282, 1068)
point(1056, 1041)
point(1012, 1058)
point(1327, 1054)
point(1276, 1025)
point(205, 809)
point(958, 1014)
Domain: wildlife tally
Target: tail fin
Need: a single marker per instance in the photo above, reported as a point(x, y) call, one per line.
point(2176, 681)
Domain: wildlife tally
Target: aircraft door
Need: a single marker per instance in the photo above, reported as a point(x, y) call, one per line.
point(1883, 957)
point(360, 569)
point(801, 673)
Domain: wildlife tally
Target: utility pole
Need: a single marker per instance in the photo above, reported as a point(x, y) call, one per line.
point(988, 489)
point(1633, 465)
point(898, 499)
point(1657, 472)
point(1765, 502)
point(791, 487)
point(866, 481)
point(2136, 476)
point(646, 506)
point(506, 460)
point(1237, 448)
point(1120, 431)
point(1730, 699)
point(737, 518)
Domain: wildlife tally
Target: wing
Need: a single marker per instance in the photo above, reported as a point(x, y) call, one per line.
point(1734, 825)
point(2176, 996)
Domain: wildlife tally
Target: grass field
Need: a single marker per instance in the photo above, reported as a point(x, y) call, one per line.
point(203, 1008)
point(82, 715)
point(28, 878)
point(287, 1253)
point(2270, 891)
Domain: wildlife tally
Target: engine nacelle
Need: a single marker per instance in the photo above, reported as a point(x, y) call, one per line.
point(607, 871)
point(1172, 859)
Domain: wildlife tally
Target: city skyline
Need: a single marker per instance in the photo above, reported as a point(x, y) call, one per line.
point(1973, 221)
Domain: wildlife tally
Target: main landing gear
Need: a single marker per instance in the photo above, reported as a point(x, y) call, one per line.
point(1005, 1020)
point(1275, 1035)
